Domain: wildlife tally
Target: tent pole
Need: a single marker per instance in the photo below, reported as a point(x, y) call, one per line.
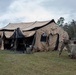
point(2, 45)
point(15, 43)
point(33, 41)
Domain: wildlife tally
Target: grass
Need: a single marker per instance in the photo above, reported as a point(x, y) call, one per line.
point(39, 63)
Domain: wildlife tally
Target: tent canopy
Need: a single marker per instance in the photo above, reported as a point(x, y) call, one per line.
point(25, 26)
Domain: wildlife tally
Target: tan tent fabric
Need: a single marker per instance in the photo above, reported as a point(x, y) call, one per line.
point(1, 33)
point(36, 24)
point(26, 34)
point(25, 26)
point(53, 29)
point(40, 46)
point(29, 33)
point(13, 26)
point(48, 27)
point(8, 34)
point(52, 41)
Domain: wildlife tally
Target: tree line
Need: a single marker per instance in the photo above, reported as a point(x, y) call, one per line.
point(69, 27)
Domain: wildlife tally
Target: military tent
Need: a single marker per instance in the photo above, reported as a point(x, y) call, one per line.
point(41, 35)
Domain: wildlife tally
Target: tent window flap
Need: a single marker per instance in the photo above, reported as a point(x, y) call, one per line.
point(43, 37)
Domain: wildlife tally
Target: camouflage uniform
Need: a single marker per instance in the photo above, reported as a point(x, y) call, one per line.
point(65, 44)
point(73, 49)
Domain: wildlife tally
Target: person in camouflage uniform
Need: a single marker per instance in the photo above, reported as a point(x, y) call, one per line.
point(65, 43)
point(73, 49)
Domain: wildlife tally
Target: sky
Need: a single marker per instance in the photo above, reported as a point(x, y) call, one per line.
point(16, 11)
